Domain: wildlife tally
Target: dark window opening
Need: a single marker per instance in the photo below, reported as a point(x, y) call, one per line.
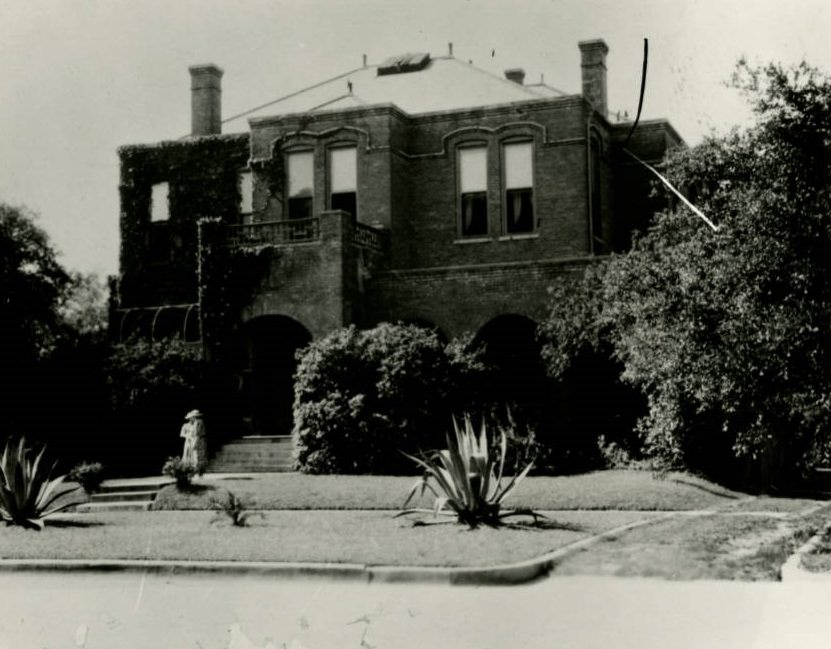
point(520, 210)
point(300, 207)
point(474, 214)
point(160, 243)
point(346, 201)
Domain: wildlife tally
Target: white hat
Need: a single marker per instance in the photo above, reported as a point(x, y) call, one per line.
point(193, 414)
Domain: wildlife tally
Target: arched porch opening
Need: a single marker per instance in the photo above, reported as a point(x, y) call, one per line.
point(267, 346)
point(519, 381)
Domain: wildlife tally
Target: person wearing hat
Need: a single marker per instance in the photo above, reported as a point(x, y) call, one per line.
point(195, 451)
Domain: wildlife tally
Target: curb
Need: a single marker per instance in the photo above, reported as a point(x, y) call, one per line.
point(792, 570)
point(505, 574)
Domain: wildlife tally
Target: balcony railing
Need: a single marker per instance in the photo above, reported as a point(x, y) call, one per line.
point(366, 236)
point(274, 232)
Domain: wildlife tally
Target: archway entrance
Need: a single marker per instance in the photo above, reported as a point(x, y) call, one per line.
point(520, 381)
point(267, 363)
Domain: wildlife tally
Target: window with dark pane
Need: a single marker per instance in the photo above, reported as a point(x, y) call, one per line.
point(518, 160)
point(343, 179)
point(473, 186)
point(301, 184)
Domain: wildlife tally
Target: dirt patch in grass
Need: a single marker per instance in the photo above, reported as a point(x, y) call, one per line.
point(713, 546)
point(619, 490)
point(768, 504)
point(341, 537)
point(819, 559)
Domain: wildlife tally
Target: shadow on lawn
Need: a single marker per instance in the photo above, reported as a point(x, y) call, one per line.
point(543, 525)
point(71, 522)
point(539, 525)
point(708, 490)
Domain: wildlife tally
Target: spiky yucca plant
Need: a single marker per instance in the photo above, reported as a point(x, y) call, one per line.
point(468, 476)
point(233, 508)
point(27, 492)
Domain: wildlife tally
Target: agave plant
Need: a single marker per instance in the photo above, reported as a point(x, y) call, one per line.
point(27, 493)
point(233, 508)
point(468, 478)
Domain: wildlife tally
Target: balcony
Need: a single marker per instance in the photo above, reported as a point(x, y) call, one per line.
point(269, 233)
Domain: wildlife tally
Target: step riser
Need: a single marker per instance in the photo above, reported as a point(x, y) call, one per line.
point(250, 469)
point(124, 496)
point(136, 506)
point(108, 489)
point(222, 457)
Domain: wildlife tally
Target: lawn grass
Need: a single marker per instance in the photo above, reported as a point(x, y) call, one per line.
point(619, 490)
point(370, 537)
point(714, 546)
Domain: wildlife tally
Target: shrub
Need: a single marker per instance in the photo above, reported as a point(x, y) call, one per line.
point(361, 396)
point(27, 492)
point(468, 476)
point(151, 386)
point(89, 475)
point(180, 471)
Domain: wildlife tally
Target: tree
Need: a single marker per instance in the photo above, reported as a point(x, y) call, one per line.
point(728, 333)
point(32, 284)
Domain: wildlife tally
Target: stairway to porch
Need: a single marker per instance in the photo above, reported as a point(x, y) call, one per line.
point(130, 494)
point(254, 454)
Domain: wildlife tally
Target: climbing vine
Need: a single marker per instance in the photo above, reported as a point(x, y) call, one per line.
point(228, 278)
point(158, 260)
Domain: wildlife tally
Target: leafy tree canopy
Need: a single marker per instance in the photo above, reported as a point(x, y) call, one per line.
point(32, 283)
point(728, 333)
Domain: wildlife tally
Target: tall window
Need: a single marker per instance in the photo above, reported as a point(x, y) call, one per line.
point(159, 205)
point(473, 187)
point(518, 160)
point(343, 179)
point(597, 221)
point(301, 184)
point(246, 188)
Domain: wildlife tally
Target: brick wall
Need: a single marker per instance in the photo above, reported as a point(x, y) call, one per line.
point(459, 299)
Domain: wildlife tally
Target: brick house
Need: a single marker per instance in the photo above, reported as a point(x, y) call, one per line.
point(423, 190)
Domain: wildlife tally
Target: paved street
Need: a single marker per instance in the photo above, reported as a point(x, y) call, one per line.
point(128, 610)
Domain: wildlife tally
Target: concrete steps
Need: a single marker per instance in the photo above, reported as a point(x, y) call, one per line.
point(255, 454)
point(125, 495)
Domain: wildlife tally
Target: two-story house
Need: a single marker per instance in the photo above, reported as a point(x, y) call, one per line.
point(423, 190)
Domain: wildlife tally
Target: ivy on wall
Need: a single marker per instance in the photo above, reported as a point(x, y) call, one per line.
point(228, 278)
point(203, 177)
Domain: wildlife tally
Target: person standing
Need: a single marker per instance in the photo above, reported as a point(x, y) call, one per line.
point(195, 451)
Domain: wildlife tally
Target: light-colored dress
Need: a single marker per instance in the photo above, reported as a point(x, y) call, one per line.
point(195, 451)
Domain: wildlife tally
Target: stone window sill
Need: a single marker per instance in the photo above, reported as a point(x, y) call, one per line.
point(519, 237)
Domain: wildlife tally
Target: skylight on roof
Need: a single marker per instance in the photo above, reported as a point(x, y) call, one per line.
point(404, 63)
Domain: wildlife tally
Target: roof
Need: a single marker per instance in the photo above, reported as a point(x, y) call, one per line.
point(444, 83)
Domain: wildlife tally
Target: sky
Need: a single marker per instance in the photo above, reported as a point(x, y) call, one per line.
point(79, 78)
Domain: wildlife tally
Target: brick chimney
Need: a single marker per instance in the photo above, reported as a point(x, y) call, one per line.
point(517, 75)
point(593, 64)
point(205, 99)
